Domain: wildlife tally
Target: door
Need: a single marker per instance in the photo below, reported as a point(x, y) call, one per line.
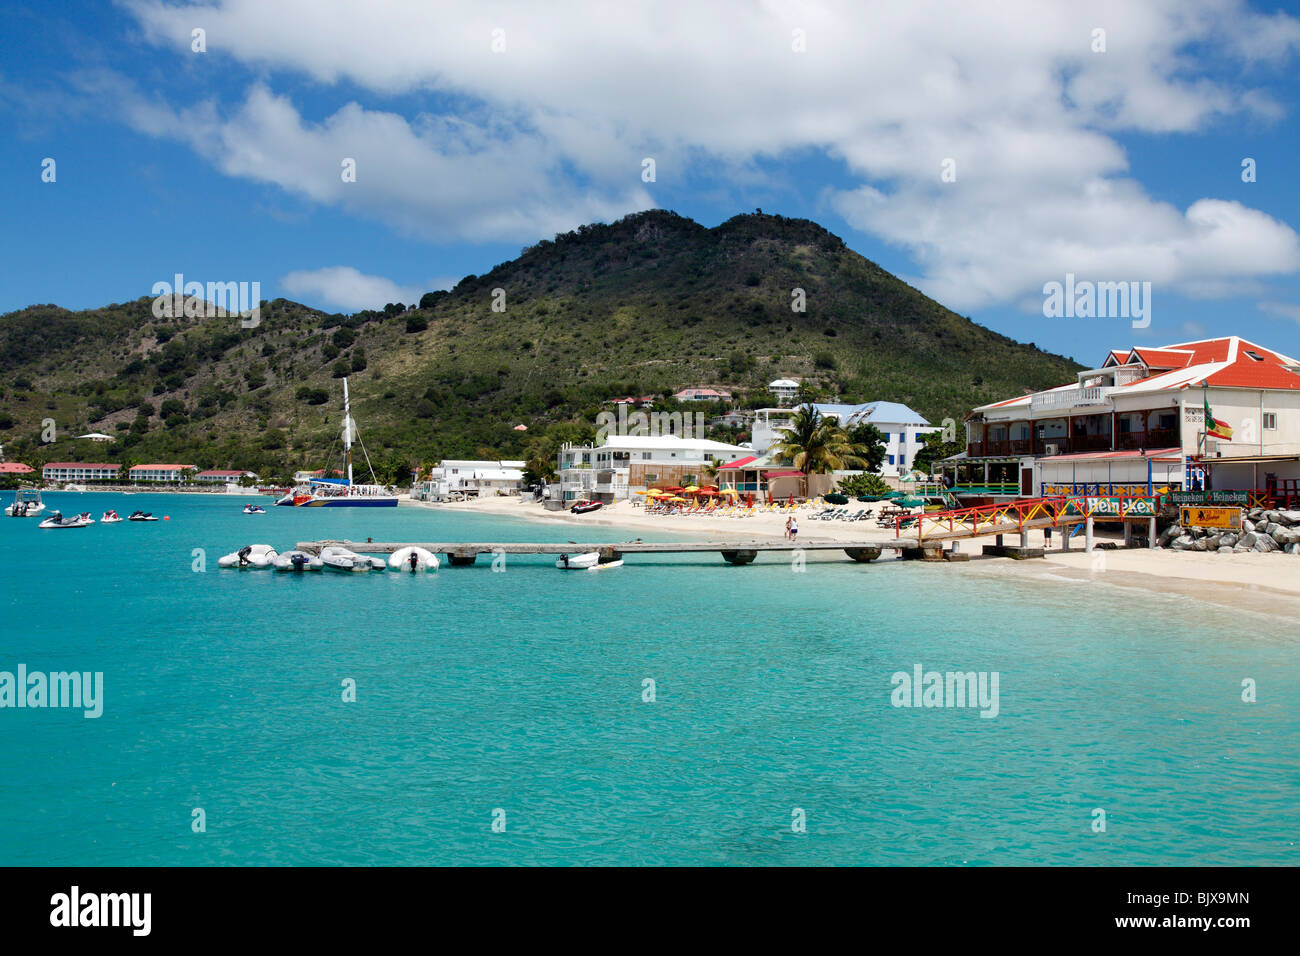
point(1026, 481)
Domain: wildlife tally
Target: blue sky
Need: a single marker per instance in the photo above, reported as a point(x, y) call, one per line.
point(1115, 164)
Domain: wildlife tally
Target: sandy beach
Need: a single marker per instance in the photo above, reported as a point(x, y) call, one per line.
point(1256, 580)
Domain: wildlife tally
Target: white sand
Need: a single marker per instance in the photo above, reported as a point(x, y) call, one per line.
point(1232, 579)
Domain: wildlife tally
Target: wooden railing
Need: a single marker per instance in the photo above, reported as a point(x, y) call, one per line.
point(1012, 516)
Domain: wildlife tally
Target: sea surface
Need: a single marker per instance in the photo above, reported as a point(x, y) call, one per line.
point(520, 699)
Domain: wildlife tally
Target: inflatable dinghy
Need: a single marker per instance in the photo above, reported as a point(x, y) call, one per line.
point(413, 559)
point(249, 557)
point(297, 561)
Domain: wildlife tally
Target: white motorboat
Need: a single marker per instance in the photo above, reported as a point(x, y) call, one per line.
point(56, 520)
point(27, 503)
point(249, 557)
point(337, 558)
point(578, 562)
point(297, 562)
point(413, 559)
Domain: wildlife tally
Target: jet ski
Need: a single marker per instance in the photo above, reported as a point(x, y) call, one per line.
point(413, 559)
point(249, 557)
point(56, 520)
point(254, 510)
point(110, 517)
point(141, 516)
point(297, 562)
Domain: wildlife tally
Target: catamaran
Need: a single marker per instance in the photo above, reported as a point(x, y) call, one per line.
point(342, 492)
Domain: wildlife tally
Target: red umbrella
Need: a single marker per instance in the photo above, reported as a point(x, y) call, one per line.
point(792, 499)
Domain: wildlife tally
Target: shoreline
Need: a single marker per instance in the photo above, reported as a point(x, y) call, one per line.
point(1249, 581)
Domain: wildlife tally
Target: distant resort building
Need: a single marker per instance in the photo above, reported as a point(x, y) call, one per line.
point(99, 437)
point(702, 394)
point(161, 474)
point(15, 468)
point(218, 476)
point(903, 428)
point(643, 401)
point(624, 463)
point(1137, 422)
point(784, 389)
point(463, 478)
point(302, 477)
point(78, 471)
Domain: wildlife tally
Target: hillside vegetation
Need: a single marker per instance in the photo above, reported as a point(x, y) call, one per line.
point(646, 305)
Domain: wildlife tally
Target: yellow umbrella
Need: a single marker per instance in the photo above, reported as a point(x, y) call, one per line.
point(729, 491)
point(676, 498)
point(691, 489)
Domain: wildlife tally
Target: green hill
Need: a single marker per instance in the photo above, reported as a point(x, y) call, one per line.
point(648, 304)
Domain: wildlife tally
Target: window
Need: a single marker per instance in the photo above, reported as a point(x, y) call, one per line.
point(890, 459)
point(1270, 421)
point(1254, 355)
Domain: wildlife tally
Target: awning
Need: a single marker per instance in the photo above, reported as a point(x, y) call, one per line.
point(1158, 454)
point(1252, 460)
point(739, 462)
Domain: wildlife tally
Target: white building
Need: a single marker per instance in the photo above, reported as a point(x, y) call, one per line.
point(220, 476)
point(903, 428)
point(1139, 421)
point(462, 478)
point(162, 474)
point(79, 471)
point(785, 390)
point(625, 463)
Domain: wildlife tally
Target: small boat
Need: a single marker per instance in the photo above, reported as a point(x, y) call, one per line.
point(249, 557)
point(141, 516)
point(110, 517)
point(607, 565)
point(27, 503)
point(583, 507)
point(413, 559)
point(254, 510)
point(297, 562)
point(56, 520)
point(336, 558)
point(578, 562)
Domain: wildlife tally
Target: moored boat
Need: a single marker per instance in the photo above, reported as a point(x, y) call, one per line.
point(141, 516)
point(254, 510)
point(249, 557)
point(336, 558)
point(578, 562)
point(27, 503)
point(326, 492)
point(56, 520)
point(297, 562)
point(110, 517)
point(413, 559)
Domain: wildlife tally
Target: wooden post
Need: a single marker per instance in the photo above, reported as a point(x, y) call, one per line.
point(1065, 537)
point(1128, 534)
point(1151, 533)
point(1087, 535)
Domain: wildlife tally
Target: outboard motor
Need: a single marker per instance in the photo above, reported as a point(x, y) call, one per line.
point(565, 559)
point(414, 561)
point(244, 552)
point(299, 561)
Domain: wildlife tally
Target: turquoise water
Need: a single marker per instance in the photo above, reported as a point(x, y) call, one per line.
point(522, 691)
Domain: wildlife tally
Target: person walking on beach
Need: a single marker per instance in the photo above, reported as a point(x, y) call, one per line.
point(788, 522)
point(794, 527)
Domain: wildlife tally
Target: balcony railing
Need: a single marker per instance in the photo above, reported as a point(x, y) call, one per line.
point(1125, 441)
point(1155, 438)
point(1070, 398)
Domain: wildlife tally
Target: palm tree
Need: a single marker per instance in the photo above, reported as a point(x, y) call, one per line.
point(816, 444)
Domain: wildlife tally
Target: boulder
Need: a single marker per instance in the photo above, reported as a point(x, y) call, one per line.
point(1184, 542)
point(1202, 544)
point(1247, 540)
point(1168, 535)
point(1289, 517)
point(1272, 527)
point(1228, 539)
point(1247, 525)
point(1212, 542)
point(1226, 549)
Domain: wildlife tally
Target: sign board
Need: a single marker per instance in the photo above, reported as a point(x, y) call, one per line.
point(1106, 507)
point(1212, 518)
point(1210, 497)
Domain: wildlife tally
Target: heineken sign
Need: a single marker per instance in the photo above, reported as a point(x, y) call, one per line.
point(1210, 497)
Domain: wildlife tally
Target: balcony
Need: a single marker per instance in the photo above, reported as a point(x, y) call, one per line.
point(1070, 398)
point(1155, 438)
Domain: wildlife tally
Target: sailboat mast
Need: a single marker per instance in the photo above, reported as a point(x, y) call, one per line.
point(347, 431)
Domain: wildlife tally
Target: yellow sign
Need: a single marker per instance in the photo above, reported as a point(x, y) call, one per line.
point(1212, 518)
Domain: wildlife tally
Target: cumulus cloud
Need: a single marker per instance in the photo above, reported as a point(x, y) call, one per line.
point(548, 129)
point(346, 288)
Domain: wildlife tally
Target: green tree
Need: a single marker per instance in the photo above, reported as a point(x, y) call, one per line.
point(816, 444)
point(934, 449)
point(869, 443)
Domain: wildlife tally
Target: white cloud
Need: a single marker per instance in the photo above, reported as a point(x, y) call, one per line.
point(550, 133)
point(346, 288)
point(1285, 310)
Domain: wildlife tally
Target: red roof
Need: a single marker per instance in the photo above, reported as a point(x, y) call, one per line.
point(1164, 359)
point(158, 467)
point(14, 468)
point(219, 471)
point(1270, 370)
point(1160, 454)
point(739, 462)
point(79, 464)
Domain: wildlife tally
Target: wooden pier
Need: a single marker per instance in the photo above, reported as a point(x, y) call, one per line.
point(461, 553)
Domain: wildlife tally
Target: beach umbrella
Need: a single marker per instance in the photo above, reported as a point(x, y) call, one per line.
point(792, 498)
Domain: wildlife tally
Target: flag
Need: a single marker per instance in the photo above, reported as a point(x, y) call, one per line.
point(1214, 427)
